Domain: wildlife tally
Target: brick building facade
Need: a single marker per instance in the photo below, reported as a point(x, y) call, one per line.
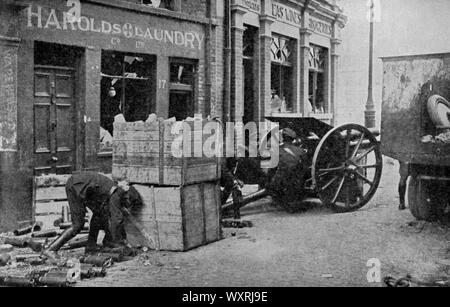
point(69, 75)
point(64, 77)
point(284, 58)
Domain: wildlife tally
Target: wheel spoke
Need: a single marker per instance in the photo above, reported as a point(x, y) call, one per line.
point(329, 183)
point(347, 196)
point(332, 170)
point(347, 143)
point(365, 153)
point(355, 151)
point(338, 192)
point(364, 178)
point(368, 166)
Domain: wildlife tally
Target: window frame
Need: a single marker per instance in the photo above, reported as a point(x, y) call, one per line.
point(123, 80)
point(182, 88)
point(283, 63)
point(318, 67)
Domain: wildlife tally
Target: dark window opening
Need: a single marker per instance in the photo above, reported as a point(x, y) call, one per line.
point(249, 39)
point(183, 74)
point(181, 105)
point(317, 79)
point(127, 87)
point(47, 54)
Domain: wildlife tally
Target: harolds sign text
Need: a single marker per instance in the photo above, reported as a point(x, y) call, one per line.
point(39, 17)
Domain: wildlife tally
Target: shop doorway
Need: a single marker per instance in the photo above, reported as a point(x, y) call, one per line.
point(55, 109)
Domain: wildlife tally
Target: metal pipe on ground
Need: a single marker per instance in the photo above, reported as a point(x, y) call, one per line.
point(246, 200)
point(20, 282)
point(24, 243)
point(29, 229)
point(45, 234)
point(53, 281)
point(89, 271)
point(76, 243)
point(64, 226)
point(70, 275)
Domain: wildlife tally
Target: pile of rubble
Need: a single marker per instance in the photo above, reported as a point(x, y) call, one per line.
point(443, 138)
point(23, 262)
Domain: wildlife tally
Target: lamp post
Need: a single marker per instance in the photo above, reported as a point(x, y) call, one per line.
point(370, 112)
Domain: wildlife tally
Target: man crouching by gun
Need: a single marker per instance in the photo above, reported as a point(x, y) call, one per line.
point(109, 203)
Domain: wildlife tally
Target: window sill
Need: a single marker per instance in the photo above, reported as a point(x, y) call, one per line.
point(321, 116)
point(105, 154)
point(287, 115)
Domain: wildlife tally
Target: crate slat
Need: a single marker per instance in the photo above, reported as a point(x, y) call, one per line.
point(150, 154)
point(176, 219)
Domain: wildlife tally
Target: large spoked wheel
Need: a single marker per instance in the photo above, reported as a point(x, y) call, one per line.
point(347, 167)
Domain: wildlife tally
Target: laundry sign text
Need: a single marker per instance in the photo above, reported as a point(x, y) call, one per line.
point(43, 18)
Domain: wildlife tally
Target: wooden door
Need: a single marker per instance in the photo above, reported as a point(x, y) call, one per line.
point(54, 120)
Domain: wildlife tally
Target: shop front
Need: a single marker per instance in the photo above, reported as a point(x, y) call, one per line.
point(72, 75)
point(289, 58)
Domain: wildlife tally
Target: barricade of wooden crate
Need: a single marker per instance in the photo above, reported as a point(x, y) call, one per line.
point(178, 183)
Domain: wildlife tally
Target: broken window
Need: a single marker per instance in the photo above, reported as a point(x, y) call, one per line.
point(127, 87)
point(317, 79)
point(282, 77)
point(162, 4)
point(183, 74)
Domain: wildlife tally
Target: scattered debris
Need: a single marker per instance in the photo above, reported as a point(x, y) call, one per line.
point(232, 223)
point(24, 243)
point(76, 243)
point(98, 261)
point(443, 138)
point(29, 229)
point(4, 259)
point(45, 234)
point(409, 281)
point(6, 248)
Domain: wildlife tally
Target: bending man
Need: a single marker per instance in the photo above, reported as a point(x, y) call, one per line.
point(106, 200)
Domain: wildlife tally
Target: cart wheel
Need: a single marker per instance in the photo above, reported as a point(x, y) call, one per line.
point(347, 167)
point(420, 198)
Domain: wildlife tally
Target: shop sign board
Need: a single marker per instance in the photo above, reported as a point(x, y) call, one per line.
point(252, 5)
point(287, 14)
point(320, 27)
point(43, 18)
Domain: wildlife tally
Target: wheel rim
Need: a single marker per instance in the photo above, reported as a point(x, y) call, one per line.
point(347, 167)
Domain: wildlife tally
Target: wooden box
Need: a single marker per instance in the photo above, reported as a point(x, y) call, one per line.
point(176, 219)
point(144, 153)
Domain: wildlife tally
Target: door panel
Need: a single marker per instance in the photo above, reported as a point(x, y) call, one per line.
point(54, 117)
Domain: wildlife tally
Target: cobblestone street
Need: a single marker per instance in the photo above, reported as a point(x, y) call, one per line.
point(316, 248)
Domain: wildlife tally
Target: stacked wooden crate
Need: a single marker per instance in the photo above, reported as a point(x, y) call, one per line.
point(180, 192)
